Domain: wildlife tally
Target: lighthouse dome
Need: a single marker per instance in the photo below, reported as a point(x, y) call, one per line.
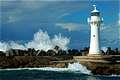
point(95, 12)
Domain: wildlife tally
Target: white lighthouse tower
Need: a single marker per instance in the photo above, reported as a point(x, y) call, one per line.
point(95, 22)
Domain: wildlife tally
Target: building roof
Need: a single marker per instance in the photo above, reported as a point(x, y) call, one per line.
point(95, 10)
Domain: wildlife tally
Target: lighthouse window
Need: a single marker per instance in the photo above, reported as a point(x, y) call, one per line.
point(95, 14)
point(93, 35)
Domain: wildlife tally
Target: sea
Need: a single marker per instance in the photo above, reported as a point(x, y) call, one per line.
point(74, 71)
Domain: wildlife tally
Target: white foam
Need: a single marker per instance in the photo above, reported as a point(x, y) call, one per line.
point(79, 67)
point(75, 67)
point(114, 75)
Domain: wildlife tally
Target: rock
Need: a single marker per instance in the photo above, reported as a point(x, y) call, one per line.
point(60, 65)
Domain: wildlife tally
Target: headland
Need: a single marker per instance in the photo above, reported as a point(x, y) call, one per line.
point(106, 64)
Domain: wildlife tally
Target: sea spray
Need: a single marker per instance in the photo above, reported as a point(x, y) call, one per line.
point(41, 41)
point(74, 67)
point(79, 67)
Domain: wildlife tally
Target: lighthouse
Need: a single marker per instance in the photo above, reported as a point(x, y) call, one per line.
point(95, 20)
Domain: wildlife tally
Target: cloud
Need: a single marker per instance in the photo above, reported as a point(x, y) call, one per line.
point(12, 16)
point(73, 26)
point(119, 28)
point(13, 11)
point(68, 26)
point(119, 19)
point(12, 19)
point(110, 36)
point(41, 41)
point(33, 4)
point(64, 14)
point(27, 9)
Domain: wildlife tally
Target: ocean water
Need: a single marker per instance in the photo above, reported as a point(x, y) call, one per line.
point(74, 71)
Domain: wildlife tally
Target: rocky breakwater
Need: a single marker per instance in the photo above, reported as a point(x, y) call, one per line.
point(31, 61)
point(101, 64)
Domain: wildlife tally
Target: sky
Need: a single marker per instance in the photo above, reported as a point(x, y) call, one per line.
point(21, 19)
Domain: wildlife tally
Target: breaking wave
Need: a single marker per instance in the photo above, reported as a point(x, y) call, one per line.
point(41, 41)
point(74, 67)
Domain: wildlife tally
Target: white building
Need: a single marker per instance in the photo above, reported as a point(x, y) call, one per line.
point(95, 21)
